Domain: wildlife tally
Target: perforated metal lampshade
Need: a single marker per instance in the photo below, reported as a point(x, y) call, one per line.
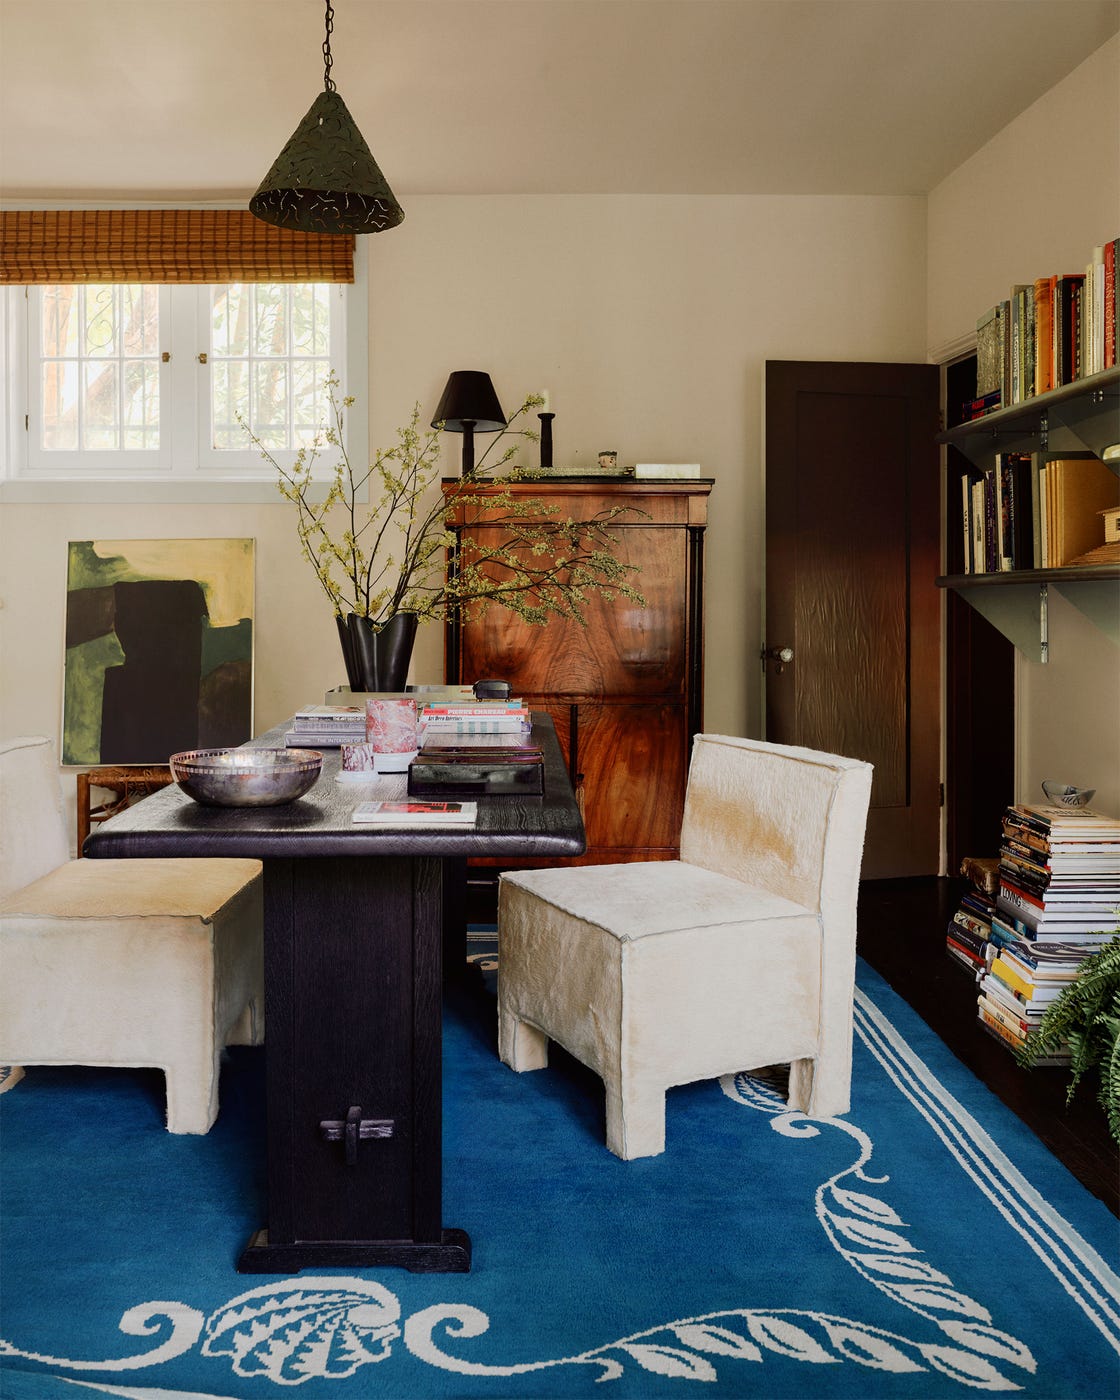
point(325, 180)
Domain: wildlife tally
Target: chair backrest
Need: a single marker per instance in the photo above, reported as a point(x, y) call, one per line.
point(788, 820)
point(33, 837)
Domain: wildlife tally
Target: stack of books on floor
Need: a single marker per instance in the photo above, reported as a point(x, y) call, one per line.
point(1059, 887)
point(438, 721)
point(970, 930)
point(327, 727)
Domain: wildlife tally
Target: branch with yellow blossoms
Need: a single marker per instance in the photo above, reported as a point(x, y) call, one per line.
point(380, 541)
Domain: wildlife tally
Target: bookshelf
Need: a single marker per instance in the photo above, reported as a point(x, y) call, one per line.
point(1079, 419)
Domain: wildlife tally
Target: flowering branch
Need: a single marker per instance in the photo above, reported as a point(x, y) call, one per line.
point(396, 557)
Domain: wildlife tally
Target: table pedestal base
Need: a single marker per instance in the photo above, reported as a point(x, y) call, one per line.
point(451, 1255)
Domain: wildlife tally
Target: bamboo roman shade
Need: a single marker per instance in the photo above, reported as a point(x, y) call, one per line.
point(165, 245)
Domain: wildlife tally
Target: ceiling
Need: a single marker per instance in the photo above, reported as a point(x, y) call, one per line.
point(193, 99)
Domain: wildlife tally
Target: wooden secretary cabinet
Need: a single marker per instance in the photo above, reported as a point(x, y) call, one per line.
point(626, 691)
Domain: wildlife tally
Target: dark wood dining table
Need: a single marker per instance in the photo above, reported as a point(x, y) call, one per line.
point(353, 933)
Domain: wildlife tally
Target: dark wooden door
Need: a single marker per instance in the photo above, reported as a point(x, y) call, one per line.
point(852, 552)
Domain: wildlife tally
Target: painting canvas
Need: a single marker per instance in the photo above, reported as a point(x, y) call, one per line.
point(159, 648)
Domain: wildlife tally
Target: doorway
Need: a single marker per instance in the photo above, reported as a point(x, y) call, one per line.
point(852, 554)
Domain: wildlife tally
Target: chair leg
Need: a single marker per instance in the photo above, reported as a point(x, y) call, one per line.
point(635, 1121)
point(822, 1088)
point(800, 1085)
point(520, 1045)
point(192, 1093)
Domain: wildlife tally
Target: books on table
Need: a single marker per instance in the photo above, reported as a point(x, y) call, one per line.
point(327, 727)
point(477, 717)
point(460, 768)
point(416, 813)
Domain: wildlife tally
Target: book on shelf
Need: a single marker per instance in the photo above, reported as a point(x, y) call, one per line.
point(415, 813)
point(1048, 333)
point(981, 407)
point(998, 515)
point(1044, 320)
point(1080, 490)
point(991, 335)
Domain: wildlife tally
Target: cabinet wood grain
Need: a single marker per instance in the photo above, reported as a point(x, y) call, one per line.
point(625, 691)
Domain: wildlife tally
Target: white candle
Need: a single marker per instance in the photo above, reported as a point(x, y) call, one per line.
point(546, 406)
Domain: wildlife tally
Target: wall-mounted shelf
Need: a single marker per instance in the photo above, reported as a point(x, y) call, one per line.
point(1082, 417)
point(1076, 420)
point(1016, 603)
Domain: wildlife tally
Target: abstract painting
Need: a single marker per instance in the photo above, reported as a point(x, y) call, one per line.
point(159, 648)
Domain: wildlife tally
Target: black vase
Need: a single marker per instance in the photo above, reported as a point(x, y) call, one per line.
point(377, 660)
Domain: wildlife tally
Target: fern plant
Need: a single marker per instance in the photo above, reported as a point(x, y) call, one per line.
point(1086, 1017)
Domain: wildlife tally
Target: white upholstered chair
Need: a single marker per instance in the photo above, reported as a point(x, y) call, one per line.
point(154, 963)
point(740, 954)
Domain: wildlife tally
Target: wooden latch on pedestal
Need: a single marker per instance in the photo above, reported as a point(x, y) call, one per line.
point(354, 1129)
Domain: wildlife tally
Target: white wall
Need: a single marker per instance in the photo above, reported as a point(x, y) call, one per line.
point(1033, 202)
point(647, 318)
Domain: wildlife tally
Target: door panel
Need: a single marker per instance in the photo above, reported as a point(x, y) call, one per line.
point(853, 540)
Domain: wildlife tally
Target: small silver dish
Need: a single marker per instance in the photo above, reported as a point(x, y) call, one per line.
point(1066, 795)
point(246, 777)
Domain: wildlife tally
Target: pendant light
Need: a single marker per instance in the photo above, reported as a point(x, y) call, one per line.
point(325, 180)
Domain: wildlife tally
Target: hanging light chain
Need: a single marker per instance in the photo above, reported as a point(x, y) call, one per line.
point(328, 81)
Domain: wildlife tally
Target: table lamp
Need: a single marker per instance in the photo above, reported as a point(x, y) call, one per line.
point(469, 405)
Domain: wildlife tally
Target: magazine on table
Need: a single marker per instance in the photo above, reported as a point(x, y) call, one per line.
point(416, 813)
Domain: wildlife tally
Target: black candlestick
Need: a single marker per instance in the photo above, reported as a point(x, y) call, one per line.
point(546, 440)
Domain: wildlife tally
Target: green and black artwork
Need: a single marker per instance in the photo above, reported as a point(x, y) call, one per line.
point(159, 648)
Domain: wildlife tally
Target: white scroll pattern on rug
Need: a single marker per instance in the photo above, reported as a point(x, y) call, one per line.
point(328, 1328)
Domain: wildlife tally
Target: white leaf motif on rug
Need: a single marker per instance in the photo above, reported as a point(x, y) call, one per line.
point(328, 1328)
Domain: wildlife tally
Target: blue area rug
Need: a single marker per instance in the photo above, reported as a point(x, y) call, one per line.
point(926, 1245)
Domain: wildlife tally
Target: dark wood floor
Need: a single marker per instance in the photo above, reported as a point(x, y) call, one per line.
point(902, 935)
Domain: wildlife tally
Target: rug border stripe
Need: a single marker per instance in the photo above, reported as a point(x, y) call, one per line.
point(1087, 1277)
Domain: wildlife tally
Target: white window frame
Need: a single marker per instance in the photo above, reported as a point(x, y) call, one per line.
point(193, 470)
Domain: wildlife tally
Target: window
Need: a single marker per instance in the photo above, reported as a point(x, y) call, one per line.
point(153, 382)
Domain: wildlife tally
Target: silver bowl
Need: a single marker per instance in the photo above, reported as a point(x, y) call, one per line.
point(246, 777)
point(1066, 795)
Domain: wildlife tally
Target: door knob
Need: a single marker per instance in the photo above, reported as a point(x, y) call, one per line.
point(780, 656)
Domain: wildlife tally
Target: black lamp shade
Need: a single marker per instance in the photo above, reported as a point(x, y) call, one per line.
point(469, 403)
point(325, 180)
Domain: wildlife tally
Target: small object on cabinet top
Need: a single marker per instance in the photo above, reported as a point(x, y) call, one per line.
point(416, 813)
point(492, 690)
point(668, 471)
